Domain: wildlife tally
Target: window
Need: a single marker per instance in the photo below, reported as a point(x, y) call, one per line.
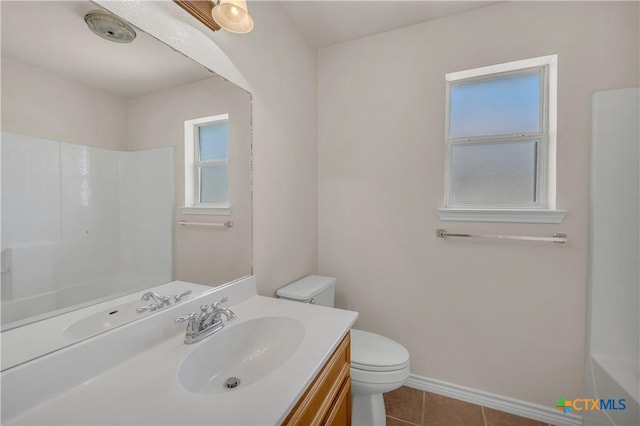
point(206, 156)
point(500, 143)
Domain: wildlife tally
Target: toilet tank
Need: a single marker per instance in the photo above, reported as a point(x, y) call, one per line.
point(314, 289)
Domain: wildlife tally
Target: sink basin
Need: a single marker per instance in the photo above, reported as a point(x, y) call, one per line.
point(246, 352)
point(105, 320)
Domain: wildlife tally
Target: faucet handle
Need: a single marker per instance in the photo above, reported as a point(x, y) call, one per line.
point(220, 302)
point(191, 317)
point(142, 309)
point(178, 297)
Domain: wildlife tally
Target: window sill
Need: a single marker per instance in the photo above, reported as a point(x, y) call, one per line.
point(502, 215)
point(213, 211)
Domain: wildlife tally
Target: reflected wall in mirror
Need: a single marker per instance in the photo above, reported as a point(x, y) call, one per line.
point(93, 165)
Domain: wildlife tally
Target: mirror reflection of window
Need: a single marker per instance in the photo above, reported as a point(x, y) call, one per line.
point(212, 163)
point(206, 154)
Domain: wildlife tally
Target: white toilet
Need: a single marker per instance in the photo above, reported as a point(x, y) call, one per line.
point(378, 364)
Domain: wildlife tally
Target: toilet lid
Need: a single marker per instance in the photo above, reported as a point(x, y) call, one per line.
point(373, 352)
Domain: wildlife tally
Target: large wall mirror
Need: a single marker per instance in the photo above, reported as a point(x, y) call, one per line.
point(94, 173)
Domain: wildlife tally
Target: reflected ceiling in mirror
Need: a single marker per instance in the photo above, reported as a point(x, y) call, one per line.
point(96, 130)
point(52, 35)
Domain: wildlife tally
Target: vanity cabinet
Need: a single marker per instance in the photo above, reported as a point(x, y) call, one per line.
point(327, 401)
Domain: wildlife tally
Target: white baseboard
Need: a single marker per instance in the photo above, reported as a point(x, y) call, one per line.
point(541, 413)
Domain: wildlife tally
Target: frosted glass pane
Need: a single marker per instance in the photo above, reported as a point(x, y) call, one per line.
point(496, 106)
point(213, 141)
point(214, 183)
point(498, 173)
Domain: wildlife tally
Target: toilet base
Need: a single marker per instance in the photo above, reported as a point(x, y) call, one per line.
point(367, 410)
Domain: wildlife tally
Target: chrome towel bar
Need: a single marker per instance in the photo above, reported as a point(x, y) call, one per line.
point(227, 224)
point(556, 238)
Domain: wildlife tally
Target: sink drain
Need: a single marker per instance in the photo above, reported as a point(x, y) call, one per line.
point(231, 382)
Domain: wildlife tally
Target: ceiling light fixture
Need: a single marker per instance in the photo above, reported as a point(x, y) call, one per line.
point(233, 16)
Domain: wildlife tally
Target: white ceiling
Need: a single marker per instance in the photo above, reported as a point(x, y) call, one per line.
point(53, 36)
point(327, 22)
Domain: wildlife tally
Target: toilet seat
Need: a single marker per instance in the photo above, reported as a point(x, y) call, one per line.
point(372, 352)
point(397, 377)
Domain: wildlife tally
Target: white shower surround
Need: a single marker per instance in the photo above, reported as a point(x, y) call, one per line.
point(614, 326)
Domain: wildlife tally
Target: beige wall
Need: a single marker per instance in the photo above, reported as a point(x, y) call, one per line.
point(46, 105)
point(280, 66)
point(503, 317)
point(202, 255)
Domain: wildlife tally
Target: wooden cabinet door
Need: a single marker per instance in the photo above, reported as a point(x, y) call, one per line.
point(340, 414)
point(324, 401)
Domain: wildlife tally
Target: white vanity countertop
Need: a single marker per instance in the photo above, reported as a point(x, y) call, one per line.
point(144, 390)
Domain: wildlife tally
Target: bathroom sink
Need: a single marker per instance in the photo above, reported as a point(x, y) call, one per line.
point(104, 320)
point(240, 355)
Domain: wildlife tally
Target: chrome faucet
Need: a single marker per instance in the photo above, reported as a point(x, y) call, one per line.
point(159, 302)
point(207, 322)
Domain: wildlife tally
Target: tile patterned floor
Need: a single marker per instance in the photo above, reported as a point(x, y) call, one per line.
point(412, 407)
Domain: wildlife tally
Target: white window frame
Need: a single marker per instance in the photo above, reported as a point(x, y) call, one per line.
point(192, 165)
point(544, 209)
